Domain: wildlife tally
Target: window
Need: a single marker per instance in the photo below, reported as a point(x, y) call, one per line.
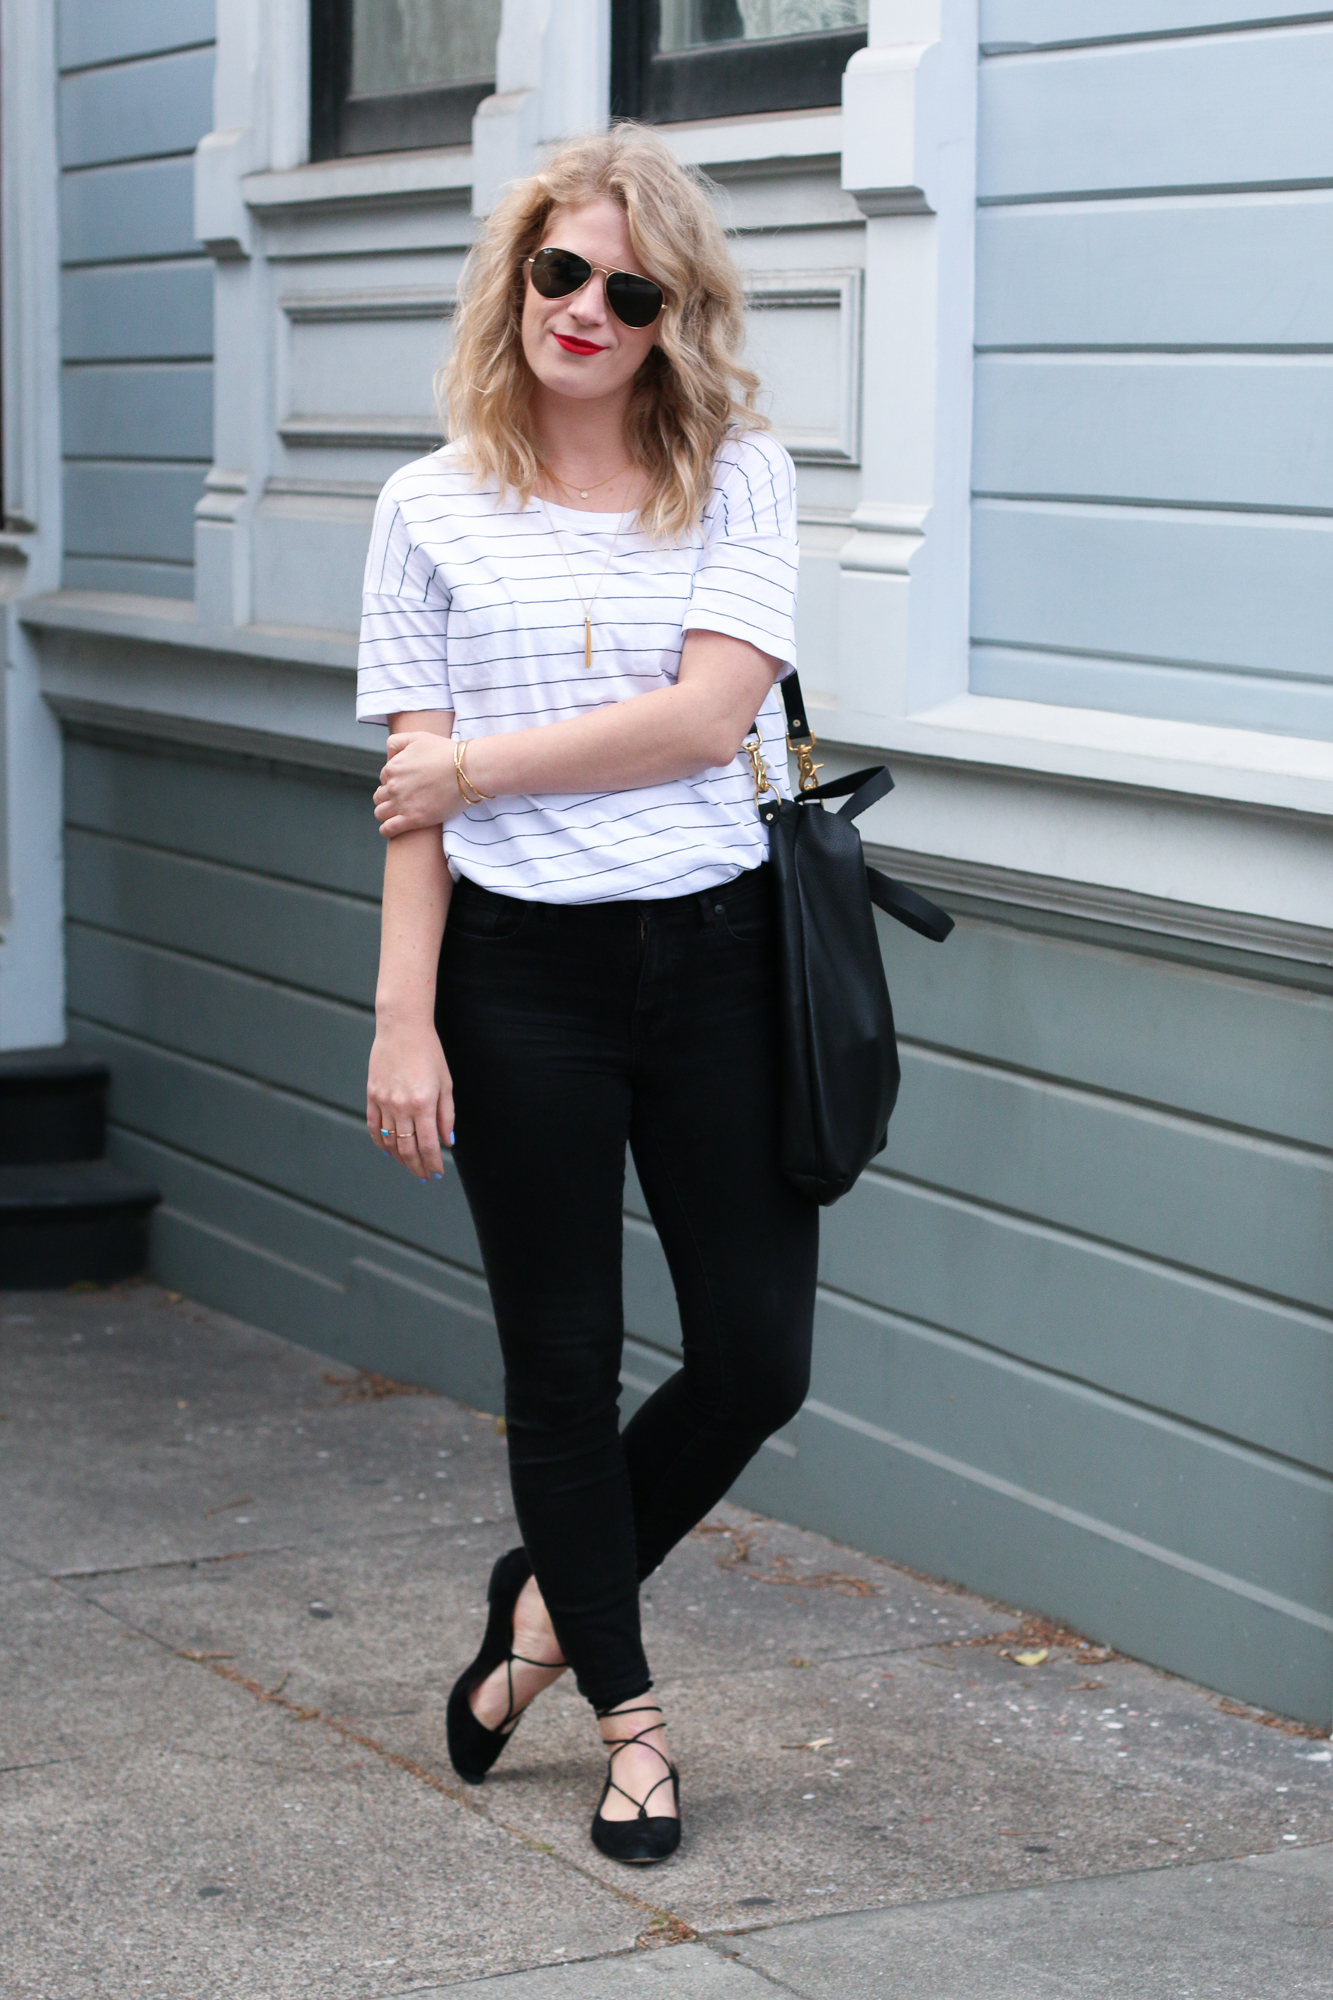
point(676, 59)
point(387, 75)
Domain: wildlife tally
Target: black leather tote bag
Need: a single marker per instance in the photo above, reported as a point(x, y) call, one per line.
point(839, 1052)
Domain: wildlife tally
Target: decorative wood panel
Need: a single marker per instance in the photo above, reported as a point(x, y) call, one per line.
point(804, 340)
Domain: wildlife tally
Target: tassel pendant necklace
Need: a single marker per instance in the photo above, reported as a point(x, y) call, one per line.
point(586, 602)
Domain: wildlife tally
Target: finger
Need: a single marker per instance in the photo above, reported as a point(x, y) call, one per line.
point(408, 1154)
point(378, 1124)
point(428, 1143)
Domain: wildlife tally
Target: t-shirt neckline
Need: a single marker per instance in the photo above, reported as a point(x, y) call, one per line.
point(578, 513)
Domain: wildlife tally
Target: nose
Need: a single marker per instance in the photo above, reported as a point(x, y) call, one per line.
point(590, 305)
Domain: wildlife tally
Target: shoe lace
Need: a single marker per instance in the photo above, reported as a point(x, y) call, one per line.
point(513, 1716)
point(616, 1744)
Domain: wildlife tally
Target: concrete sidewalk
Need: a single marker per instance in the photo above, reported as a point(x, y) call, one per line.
point(238, 1587)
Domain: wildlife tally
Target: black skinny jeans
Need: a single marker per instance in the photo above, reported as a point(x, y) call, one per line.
point(569, 1032)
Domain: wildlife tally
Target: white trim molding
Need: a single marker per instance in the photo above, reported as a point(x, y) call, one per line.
point(32, 960)
point(909, 159)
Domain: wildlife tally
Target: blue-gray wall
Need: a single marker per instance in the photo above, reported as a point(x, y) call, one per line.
point(136, 96)
point(1075, 1338)
point(1153, 448)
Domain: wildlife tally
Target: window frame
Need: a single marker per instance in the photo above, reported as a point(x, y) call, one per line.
point(344, 126)
point(788, 73)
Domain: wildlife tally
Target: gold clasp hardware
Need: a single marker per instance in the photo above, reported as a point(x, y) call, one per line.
point(753, 747)
point(805, 763)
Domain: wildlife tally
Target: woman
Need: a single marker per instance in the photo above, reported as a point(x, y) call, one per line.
point(573, 615)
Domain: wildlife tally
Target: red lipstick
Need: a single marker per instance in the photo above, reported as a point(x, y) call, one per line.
point(572, 346)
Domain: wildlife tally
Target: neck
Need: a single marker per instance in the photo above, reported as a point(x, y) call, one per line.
point(580, 439)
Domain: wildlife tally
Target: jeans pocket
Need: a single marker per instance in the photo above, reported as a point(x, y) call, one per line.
point(746, 921)
point(486, 921)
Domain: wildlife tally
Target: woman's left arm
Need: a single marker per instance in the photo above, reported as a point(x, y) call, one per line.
point(675, 732)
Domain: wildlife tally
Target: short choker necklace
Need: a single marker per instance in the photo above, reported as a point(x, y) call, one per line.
point(584, 491)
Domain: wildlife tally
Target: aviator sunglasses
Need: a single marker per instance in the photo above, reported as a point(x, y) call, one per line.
point(558, 274)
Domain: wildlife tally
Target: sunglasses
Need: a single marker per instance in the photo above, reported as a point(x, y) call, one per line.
point(558, 274)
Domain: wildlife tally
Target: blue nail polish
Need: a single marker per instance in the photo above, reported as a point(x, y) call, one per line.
point(451, 1138)
point(437, 1177)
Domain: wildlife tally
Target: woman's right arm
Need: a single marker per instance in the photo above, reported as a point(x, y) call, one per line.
point(409, 1090)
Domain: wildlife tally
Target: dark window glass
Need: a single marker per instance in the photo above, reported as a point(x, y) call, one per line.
point(387, 75)
point(677, 59)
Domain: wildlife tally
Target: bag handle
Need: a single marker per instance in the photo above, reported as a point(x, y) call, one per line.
point(909, 907)
point(861, 790)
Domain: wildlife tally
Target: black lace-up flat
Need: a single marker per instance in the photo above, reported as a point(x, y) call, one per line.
point(473, 1748)
point(650, 1837)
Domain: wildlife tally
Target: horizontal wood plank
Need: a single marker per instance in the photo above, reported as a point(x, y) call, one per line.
point(310, 1152)
point(1239, 110)
point(1212, 430)
point(1249, 1516)
point(98, 31)
point(1010, 22)
point(1241, 1366)
point(136, 110)
point(142, 209)
point(127, 509)
point(1216, 1202)
point(296, 827)
point(139, 410)
point(286, 931)
point(1240, 1051)
point(1240, 591)
point(300, 1041)
point(1214, 270)
point(1218, 699)
point(138, 312)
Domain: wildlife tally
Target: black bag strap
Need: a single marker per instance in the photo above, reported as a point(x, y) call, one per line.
point(861, 789)
point(909, 907)
point(798, 727)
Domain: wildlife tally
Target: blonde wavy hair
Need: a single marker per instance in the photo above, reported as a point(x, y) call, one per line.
point(693, 387)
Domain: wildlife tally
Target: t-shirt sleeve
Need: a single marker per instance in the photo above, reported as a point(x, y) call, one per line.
point(745, 585)
point(403, 659)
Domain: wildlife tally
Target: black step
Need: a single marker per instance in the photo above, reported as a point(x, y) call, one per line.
point(82, 1220)
point(52, 1105)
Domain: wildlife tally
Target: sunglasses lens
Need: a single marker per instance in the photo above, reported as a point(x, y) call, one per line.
point(634, 301)
point(557, 273)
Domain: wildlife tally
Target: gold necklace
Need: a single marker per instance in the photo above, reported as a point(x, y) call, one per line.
point(584, 491)
point(586, 602)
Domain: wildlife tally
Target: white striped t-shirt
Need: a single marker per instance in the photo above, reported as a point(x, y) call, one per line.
point(469, 606)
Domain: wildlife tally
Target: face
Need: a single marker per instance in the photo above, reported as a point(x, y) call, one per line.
point(576, 346)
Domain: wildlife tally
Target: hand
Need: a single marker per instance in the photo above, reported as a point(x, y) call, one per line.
point(418, 786)
point(410, 1099)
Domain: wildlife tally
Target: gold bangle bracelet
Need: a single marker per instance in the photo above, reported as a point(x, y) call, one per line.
point(465, 785)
